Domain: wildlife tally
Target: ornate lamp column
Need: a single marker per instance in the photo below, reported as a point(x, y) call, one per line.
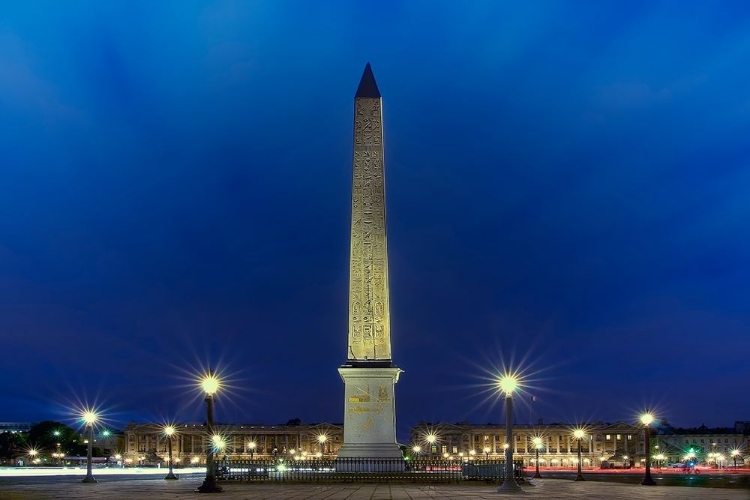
point(537, 444)
point(579, 434)
point(90, 418)
point(646, 420)
point(431, 439)
point(210, 385)
point(508, 385)
point(169, 431)
point(322, 442)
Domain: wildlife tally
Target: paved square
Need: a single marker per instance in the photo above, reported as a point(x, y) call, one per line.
point(183, 489)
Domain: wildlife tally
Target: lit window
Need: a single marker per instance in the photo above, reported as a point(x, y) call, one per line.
point(608, 437)
point(455, 449)
point(619, 437)
point(630, 437)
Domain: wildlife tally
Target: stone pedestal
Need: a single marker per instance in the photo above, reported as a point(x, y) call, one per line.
point(369, 413)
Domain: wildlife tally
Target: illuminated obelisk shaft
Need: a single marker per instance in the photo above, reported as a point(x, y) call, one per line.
point(369, 376)
point(369, 309)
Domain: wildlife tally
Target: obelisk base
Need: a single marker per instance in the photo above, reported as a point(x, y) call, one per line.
point(369, 420)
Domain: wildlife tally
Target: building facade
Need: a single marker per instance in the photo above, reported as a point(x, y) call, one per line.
point(147, 443)
point(620, 443)
point(559, 447)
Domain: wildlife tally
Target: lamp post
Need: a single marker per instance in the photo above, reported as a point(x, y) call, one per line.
point(56, 433)
point(486, 452)
point(579, 434)
point(169, 430)
point(416, 449)
point(537, 444)
point(508, 384)
point(251, 446)
point(322, 442)
point(735, 454)
point(646, 420)
point(431, 439)
point(89, 418)
point(210, 385)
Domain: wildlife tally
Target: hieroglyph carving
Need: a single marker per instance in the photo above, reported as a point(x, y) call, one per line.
point(369, 310)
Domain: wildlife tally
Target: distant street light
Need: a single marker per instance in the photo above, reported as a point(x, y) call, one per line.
point(416, 449)
point(537, 444)
point(251, 446)
point(579, 434)
point(646, 420)
point(169, 431)
point(508, 385)
point(735, 454)
point(322, 442)
point(89, 418)
point(210, 385)
point(431, 439)
point(486, 452)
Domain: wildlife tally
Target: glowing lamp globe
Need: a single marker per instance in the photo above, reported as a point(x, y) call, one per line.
point(579, 434)
point(537, 442)
point(169, 430)
point(89, 417)
point(508, 384)
point(647, 418)
point(210, 384)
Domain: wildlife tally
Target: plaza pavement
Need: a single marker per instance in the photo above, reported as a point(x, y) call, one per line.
point(547, 489)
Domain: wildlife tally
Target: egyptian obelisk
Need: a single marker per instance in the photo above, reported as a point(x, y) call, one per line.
point(369, 375)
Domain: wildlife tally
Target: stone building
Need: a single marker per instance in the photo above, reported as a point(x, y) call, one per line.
point(147, 444)
point(602, 441)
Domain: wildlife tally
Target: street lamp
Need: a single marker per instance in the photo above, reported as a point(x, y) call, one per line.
point(646, 420)
point(579, 434)
point(322, 441)
point(537, 444)
point(416, 449)
point(210, 385)
point(486, 452)
point(431, 439)
point(89, 418)
point(735, 454)
point(32, 453)
point(169, 431)
point(508, 385)
point(251, 446)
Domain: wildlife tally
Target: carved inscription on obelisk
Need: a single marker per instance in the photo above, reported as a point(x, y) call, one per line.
point(369, 310)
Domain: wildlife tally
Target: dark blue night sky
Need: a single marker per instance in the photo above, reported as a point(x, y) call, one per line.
point(567, 193)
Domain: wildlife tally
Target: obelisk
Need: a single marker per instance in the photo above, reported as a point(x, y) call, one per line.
point(369, 375)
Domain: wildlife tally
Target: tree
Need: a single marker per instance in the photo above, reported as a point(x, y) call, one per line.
point(46, 435)
point(12, 444)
